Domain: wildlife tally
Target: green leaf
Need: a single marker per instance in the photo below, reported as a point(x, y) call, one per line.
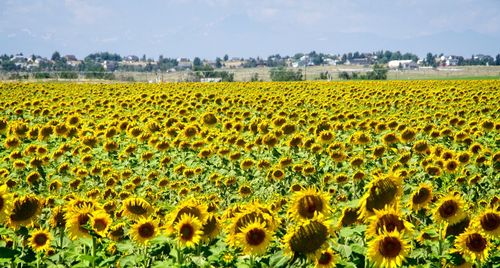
point(344, 250)
point(359, 249)
point(8, 253)
point(200, 261)
point(278, 260)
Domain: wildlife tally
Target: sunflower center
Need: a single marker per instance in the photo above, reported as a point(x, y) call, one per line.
point(24, 210)
point(278, 173)
point(381, 194)
point(209, 226)
point(188, 210)
point(390, 222)
point(137, 209)
point(448, 209)
point(2, 202)
point(309, 238)
point(82, 221)
point(476, 242)
point(390, 247)
point(100, 224)
point(41, 239)
point(490, 221)
point(421, 196)
point(146, 230)
point(119, 232)
point(187, 232)
point(255, 236)
point(349, 216)
point(310, 204)
point(325, 258)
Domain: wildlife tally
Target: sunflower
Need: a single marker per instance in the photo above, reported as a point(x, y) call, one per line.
point(473, 245)
point(457, 228)
point(387, 219)
point(211, 228)
point(277, 173)
point(191, 206)
point(57, 219)
point(349, 216)
point(489, 222)
point(117, 231)
point(77, 221)
point(241, 216)
point(307, 202)
point(450, 209)
point(208, 119)
point(245, 190)
point(388, 249)
point(382, 191)
point(421, 197)
point(326, 259)
point(24, 210)
point(308, 238)
point(254, 238)
point(144, 230)
point(188, 230)
point(135, 208)
point(40, 240)
point(5, 202)
point(100, 222)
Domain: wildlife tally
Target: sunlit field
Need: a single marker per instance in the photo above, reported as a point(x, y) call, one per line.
point(352, 174)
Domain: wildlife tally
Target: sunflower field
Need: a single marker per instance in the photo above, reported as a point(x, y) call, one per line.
point(269, 174)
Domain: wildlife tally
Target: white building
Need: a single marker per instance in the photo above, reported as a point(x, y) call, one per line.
point(402, 64)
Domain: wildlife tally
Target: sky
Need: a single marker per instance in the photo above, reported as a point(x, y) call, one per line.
point(248, 28)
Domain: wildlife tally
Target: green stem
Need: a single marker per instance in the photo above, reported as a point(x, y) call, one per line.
point(94, 242)
point(440, 244)
point(180, 259)
point(61, 241)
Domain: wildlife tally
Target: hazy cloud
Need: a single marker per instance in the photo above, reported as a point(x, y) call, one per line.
point(210, 28)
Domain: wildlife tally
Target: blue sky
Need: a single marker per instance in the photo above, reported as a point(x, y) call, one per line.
point(210, 28)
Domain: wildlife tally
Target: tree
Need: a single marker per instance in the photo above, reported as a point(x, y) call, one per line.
point(218, 62)
point(197, 62)
point(226, 57)
point(430, 59)
point(283, 74)
point(56, 56)
point(497, 60)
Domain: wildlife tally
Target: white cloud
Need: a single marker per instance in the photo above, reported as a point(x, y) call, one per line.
point(86, 13)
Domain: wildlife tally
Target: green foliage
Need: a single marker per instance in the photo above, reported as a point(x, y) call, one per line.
point(206, 71)
point(255, 78)
point(69, 75)
point(378, 73)
point(43, 75)
point(284, 74)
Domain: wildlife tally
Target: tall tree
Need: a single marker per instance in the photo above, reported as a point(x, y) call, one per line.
point(196, 62)
point(56, 56)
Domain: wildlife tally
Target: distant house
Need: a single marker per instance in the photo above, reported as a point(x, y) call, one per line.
point(70, 58)
point(449, 60)
point(211, 80)
point(358, 61)
point(131, 58)
point(110, 66)
point(402, 64)
point(234, 63)
point(210, 63)
point(329, 61)
point(183, 63)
